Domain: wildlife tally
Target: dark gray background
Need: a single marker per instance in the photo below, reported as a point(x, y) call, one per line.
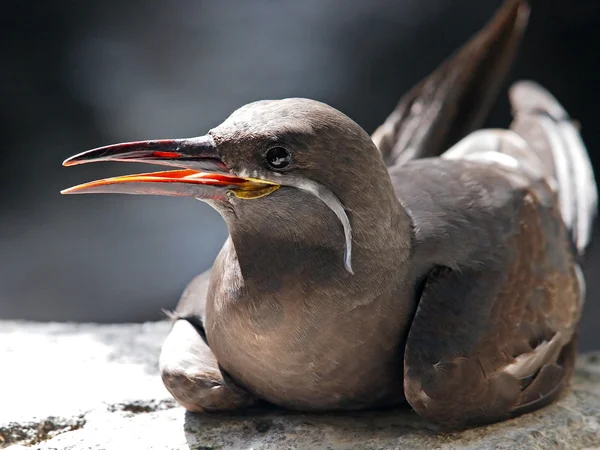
point(75, 75)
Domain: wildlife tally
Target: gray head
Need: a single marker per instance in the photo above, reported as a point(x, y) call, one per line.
point(266, 156)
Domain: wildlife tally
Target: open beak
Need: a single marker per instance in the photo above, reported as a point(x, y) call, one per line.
point(202, 174)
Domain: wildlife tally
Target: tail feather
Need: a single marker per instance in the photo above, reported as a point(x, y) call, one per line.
point(549, 131)
point(456, 98)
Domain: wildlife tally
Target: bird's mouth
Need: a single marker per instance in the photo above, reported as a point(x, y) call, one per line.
point(201, 174)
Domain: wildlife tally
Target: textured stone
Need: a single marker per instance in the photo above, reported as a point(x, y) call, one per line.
point(67, 386)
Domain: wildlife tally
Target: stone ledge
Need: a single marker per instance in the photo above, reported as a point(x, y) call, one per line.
point(84, 386)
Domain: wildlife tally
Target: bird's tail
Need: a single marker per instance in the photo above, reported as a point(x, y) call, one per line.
point(549, 131)
point(456, 98)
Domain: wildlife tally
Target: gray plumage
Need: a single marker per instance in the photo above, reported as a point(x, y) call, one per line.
point(359, 273)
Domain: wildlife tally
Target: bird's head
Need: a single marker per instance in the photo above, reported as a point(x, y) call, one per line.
point(265, 150)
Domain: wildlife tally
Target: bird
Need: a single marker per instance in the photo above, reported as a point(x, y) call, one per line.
point(433, 264)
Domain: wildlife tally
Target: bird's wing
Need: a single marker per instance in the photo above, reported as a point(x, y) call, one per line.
point(495, 327)
point(192, 302)
point(490, 343)
point(502, 221)
point(456, 98)
point(544, 143)
point(547, 129)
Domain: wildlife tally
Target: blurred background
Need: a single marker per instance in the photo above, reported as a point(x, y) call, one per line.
point(76, 75)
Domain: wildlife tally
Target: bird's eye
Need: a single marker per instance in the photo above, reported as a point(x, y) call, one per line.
point(278, 157)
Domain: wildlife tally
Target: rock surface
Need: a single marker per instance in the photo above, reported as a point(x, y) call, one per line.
point(84, 386)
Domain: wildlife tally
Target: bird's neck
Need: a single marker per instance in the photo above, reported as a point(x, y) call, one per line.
point(282, 302)
point(297, 246)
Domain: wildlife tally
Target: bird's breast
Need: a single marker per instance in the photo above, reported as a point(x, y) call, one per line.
point(302, 356)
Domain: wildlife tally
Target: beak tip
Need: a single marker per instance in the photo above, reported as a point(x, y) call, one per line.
point(72, 161)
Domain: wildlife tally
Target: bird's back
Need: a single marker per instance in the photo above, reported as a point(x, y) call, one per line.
point(511, 211)
point(543, 152)
point(530, 188)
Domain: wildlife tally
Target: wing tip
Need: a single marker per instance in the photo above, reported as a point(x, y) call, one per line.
point(529, 97)
point(573, 169)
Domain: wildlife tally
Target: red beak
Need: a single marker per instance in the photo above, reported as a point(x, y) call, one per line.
point(204, 174)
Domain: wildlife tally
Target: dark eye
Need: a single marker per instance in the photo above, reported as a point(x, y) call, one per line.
point(278, 157)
